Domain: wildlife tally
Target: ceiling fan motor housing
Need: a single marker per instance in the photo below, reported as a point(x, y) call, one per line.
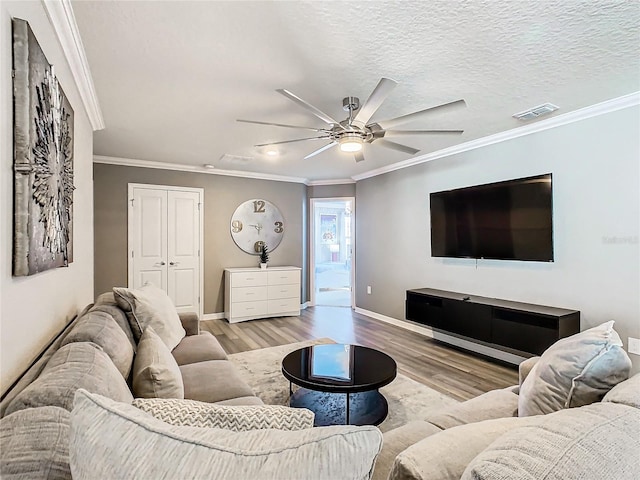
point(350, 104)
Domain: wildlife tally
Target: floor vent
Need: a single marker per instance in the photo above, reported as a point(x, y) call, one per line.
point(536, 112)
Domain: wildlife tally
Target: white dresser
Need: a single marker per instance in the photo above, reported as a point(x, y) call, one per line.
point(251, 293)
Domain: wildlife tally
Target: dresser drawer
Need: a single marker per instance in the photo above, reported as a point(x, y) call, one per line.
point(248, 294)
point(248, 279)
point(246, 309)
point(283, 277)
point(284, 291)
point(284, 305)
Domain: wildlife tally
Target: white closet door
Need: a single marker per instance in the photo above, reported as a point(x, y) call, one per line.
point(183, 247)
point(165, 236)
point(148, 251)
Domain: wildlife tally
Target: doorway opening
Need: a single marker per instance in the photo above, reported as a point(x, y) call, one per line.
point(332, 243)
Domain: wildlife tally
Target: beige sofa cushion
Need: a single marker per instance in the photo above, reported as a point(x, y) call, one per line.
point(213, 381)
point(74, 366)
point(626, 393)
point(34, 444)
point(191, 413)
point(575, 371)
point(155, 372)
point(101, 329)
point(445, 455)
point(150, 305)
point(397, 440)
point(599, 441)
point(198, 348)
point(494, 404)
point(166, 451)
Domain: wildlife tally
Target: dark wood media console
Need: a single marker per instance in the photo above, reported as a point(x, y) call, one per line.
point(520, 328)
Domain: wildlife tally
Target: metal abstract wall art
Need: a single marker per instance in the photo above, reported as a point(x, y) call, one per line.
point(43, 160)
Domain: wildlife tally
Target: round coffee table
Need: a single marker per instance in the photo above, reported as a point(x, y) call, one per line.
point(340, 383)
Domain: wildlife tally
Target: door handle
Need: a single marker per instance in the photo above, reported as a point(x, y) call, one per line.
point(173, 263)
point(161, 262)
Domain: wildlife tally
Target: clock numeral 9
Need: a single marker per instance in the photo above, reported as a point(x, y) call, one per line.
point(279, 227)
point(258, 246)
point(236, 226)
point(258, 206)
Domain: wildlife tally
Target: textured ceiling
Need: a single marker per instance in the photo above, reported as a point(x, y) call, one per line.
point(172, 77)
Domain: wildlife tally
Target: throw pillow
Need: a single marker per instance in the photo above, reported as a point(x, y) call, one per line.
point(104, 433)
point(191, 413)
point(150, 305)
point(596, 441)
point(101, 329)
point(35, 444)
point(155, 372)
point(575, 371)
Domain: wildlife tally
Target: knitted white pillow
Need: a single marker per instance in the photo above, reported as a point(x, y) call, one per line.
point(191, 413)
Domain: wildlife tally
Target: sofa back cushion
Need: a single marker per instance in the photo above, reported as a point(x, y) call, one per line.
point(596, 441)
point(166, 451)
point(101, 329)
point(34, 443)
point(150, 305)
point(626, 393)
point(107, 303)
point(575, 371)
point(74, 366)
point(155, 372)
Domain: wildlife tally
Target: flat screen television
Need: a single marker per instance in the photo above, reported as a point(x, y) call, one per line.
point(511, 220)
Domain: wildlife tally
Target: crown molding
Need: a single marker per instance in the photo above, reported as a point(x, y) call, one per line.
point(626, 101)
point(131, 162)
point(64, 24)
point(341, 181)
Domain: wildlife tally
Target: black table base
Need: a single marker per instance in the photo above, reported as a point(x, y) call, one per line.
point(363, 408)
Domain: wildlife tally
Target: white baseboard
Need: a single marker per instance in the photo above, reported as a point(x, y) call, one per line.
point(212, 316)
point(458, 342)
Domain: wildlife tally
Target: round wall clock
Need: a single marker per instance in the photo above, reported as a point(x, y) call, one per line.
point(256, 223)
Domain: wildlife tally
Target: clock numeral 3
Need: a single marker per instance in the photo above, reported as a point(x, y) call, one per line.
point(258, 206)
point(279, 227)
point(236, 226)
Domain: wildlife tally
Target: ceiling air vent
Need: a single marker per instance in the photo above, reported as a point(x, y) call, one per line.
point(235, 159)
point(536, 112)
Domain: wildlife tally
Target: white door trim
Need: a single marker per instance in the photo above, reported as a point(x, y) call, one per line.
point(130, 230)
point(312, 246)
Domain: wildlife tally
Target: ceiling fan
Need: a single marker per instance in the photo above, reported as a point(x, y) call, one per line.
point(353, 132)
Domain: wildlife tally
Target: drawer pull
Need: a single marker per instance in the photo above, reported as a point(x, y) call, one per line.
point(249, 278)
point(250, 308)
point(249, 293)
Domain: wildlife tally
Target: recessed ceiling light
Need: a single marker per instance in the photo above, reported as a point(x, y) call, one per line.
point(272, 152)
point(208, 165)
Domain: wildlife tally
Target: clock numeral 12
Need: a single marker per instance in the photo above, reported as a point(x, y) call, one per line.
point(236, 226)
point(258, 206)
point(279, 227)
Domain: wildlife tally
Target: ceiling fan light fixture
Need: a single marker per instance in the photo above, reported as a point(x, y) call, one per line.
point(350, 143)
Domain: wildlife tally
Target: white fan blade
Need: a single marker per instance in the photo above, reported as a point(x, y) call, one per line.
point(290, 141)
point(396, 146)
point(320, 150)
point(379, 95)
point(282, 125)
point(390, 133)
point(387, 124)
point(318, 113)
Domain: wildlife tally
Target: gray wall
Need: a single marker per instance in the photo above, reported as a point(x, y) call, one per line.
point(596, 225)
point(222, 194)
point(34, 309)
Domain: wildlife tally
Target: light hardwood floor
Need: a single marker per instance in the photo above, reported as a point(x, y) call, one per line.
point(451, 371)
